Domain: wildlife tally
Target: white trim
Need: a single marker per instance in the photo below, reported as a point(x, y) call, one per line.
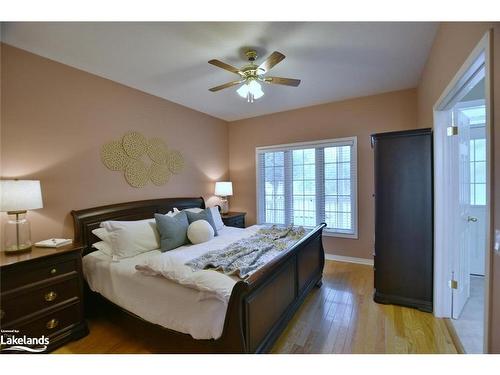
point(346, 141)
point(341, 258)
point(442, 255)
point(322, 142)
point(470, 103)
point(355, 210)
point(442, 259)
point(258, 190)
point(328, 233)
point(488, 40)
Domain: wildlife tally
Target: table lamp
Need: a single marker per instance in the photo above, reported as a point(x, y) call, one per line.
point(16, 197)
point(224, 190)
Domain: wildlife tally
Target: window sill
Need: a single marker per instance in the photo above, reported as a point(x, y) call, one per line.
point(340, 235)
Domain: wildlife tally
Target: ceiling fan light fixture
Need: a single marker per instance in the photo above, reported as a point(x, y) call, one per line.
point(251, 74)
point(243, 90)
point(254, 86)
point(257, 94)
point(251, 90)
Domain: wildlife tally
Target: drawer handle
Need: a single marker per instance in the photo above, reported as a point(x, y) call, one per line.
point(52, 323)
point(53, 271)
point(50, 296)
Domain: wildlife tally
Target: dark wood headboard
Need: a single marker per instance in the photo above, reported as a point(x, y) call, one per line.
point(85, 221)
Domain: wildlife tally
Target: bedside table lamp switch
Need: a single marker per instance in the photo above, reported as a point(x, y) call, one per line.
point(16, 197)
point(223, 190)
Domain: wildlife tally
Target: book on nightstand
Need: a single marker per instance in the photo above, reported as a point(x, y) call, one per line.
point(54, 242)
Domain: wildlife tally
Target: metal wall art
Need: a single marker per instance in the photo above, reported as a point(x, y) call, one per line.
point(142, 160)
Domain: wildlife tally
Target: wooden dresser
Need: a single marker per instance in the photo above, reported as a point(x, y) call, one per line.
point(42, 294)
point(234, 219)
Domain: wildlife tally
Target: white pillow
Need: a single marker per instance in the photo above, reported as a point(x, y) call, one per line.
point(104, 247)
point(219, 224)
point(200, 231)
point(102, 233)
point(130, 238)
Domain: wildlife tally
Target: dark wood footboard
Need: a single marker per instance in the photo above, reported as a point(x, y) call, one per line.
point(270, 297)
point(259, 307)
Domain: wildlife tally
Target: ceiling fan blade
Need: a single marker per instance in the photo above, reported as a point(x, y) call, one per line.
point(271, 61)
point(225, 66)
point(226, 85)
point(283, 81)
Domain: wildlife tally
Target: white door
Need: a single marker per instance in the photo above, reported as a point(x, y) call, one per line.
point(478, 240)
point(478, 188)
point(461, 256)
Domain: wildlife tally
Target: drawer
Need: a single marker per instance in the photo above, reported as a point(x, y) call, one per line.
point(32, 272)
point(49, 324)
point(238, 222)
point(31, 300)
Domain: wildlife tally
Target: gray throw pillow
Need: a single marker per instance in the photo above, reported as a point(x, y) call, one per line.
point(173, 230)
point(206, 214)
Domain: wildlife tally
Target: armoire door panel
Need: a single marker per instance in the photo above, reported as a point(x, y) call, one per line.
point(404, 217)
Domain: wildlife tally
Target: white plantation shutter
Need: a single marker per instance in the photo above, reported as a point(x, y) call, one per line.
point(271, 190)
point(309, 183)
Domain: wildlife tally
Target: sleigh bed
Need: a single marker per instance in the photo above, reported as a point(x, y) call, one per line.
point(259, 306)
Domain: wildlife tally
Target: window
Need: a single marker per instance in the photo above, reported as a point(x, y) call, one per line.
point(274, 187)
point(309, 183)
point(475, 112)
point(478, 172)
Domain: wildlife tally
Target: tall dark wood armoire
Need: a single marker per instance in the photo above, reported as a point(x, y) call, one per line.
point(404, 218)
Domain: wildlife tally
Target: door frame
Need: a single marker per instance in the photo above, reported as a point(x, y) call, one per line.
point(442, 254)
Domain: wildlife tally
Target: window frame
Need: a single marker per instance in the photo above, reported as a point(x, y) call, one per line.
point(473, 184)
point(333, 142)
point(481, 125)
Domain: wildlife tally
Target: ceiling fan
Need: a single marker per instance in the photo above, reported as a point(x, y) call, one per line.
point(252, 74)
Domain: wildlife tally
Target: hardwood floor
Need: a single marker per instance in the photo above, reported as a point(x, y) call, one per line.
point(339, 317)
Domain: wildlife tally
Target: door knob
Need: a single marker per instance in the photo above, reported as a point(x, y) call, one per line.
point(471, 218)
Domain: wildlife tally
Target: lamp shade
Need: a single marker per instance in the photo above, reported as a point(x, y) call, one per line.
point(20, 195)
point(223, 189)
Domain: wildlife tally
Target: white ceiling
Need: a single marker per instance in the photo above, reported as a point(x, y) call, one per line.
point(334, 60)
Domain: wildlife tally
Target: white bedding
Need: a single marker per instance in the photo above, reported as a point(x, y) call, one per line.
point(157, 299)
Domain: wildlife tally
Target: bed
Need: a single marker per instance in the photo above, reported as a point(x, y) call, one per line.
point(258, 309)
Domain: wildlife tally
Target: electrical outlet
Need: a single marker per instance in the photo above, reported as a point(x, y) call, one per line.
point(497, 240)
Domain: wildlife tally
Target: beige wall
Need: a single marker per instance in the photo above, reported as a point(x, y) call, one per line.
point(55, 119)
point(452, 45)
point(359, 117)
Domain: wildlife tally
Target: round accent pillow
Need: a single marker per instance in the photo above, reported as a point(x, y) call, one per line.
point(200, 231)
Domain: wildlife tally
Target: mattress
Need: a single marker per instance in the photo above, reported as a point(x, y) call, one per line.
point(156, 299)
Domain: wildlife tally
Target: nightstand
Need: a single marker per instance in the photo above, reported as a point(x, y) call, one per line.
point(234, 219)
point(42, 294)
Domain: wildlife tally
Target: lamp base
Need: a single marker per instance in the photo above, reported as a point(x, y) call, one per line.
point(224, 205)
point(17, 233)
point(21, 249)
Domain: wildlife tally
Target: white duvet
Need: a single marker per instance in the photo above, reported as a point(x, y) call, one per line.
point(211, 284)
point(195, 304)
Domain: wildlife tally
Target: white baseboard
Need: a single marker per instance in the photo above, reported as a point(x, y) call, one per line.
point(341, 258)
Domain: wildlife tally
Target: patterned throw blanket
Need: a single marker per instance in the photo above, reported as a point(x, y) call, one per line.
point(244, 257)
